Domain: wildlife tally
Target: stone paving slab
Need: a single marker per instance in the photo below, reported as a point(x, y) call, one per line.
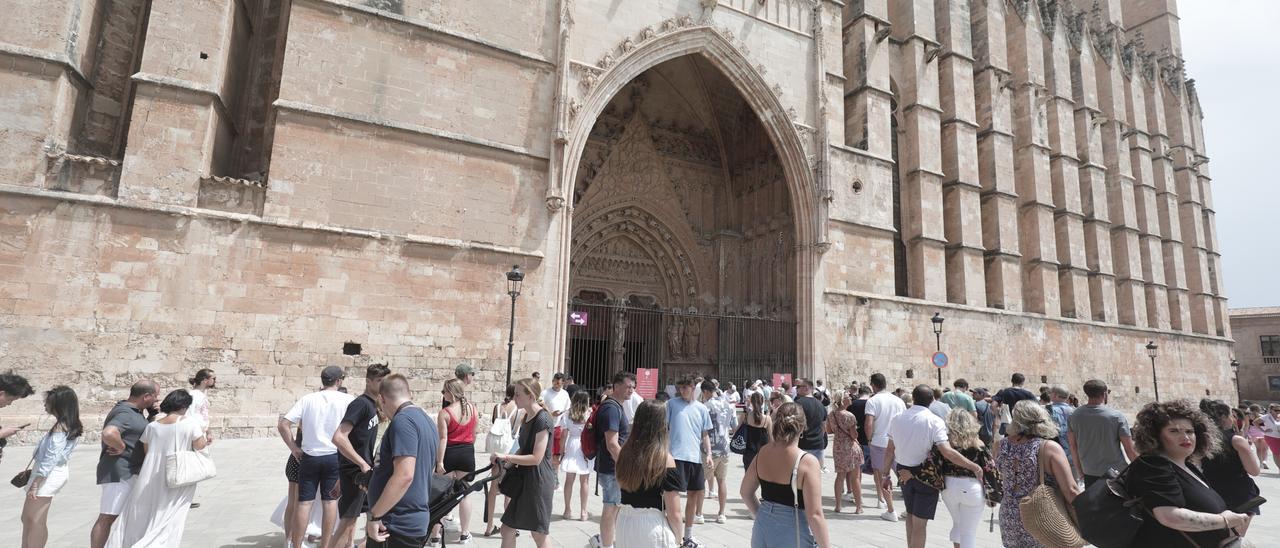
point(236, 506)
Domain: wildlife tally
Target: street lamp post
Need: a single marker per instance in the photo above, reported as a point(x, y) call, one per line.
point(514, 279)
point(937, 333)
point(1235, 372)
point(1151, 351)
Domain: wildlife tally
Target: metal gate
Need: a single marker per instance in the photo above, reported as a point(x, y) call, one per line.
point(606, 338)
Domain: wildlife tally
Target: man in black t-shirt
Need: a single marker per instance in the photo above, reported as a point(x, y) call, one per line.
point(1006, 398)
point(354, 439)
point(612, 429)
point(814, 438)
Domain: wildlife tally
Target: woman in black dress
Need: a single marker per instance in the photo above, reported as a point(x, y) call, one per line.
point(1230, 471)
point(1172, 437)
point(530, 509)
point(757, 428)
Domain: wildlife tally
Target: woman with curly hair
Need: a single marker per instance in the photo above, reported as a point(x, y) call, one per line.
point(1031, 435)
point(1173, 438)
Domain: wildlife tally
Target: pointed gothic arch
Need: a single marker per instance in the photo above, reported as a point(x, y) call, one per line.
point(778, 125)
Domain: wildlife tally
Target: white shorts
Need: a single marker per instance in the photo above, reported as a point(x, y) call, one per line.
point(53, 482)
point(114, 496)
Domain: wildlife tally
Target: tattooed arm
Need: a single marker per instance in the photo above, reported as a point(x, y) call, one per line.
point(1183, 519)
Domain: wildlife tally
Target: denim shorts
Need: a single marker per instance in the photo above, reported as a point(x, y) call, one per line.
point(611, 493)
point(317, 473)
point(775, 526)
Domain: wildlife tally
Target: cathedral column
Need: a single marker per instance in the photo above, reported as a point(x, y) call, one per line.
point(1145, 192)
point(1092, 176)
point(1190, 211)
point(1162, 172)
point(920, 157)
point(1218, 303)
point(1064, 168)
point(1031, 151)
point(962, 207)
point(867, 99)
point(1130, 292)
point(183, 101)
point(995, 155)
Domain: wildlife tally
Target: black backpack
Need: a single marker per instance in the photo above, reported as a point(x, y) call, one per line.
point(1107, 515)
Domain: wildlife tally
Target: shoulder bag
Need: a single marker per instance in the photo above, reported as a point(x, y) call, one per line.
point(21, 479)
point(1045, 515)
point(930, 471)
point(188, 468)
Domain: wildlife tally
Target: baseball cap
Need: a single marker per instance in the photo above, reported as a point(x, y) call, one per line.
point(331, 374)
point(463, 370)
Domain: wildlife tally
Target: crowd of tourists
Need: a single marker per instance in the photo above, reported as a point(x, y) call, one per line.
point(1191, 466)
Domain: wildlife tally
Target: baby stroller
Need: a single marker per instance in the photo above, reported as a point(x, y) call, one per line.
point(447, 492)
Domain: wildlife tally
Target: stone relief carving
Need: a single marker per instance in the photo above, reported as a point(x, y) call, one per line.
point(1049, 11)
point(1128, 55)
point(620, 333)
point(1020, 7)
point(675, 336)
point(692, 333)
point(1074, 22)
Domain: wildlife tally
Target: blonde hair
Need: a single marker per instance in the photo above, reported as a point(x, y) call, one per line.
point(837, 401)
point(454, 388)
point(1031, 420)
point(528, 386)
point(788, 423)
point(962, 429)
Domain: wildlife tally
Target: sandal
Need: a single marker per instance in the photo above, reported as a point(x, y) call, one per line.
point(584, 516)
point(492, 531)
point(566, 515)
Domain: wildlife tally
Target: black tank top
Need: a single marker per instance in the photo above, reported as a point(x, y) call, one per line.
point(780, 493)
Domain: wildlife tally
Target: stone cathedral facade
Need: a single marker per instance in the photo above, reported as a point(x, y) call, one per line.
point(727, 187)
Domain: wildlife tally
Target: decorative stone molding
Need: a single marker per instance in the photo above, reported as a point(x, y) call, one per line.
point(1104, 41)
point(1128, 56)
point(1172, 72)
point(1020, 7)
point(1049, 11)
point(260, 183)
point(555, 203)
point(232, 194)
point(1074, 22)
point(1148, 65)
point(82, 174)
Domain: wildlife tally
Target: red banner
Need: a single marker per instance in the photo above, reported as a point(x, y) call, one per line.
point(647, 382)
point(780, 378)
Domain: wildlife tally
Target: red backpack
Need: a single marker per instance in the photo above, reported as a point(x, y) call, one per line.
point(591, 440)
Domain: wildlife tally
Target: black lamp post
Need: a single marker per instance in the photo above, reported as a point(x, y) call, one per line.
point(1235, 372)
point(514, 279)
point(937, 333)
point(1151, 351)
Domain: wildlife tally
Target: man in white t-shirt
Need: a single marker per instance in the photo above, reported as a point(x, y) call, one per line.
point(912, 434)
point(319, 413)
point(881, 409)
point(556, 398)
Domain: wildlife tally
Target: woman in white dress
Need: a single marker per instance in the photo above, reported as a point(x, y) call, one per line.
point(572, 461)
point(156, 514)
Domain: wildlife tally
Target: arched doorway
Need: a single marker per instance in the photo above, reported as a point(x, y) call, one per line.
point(685, 254)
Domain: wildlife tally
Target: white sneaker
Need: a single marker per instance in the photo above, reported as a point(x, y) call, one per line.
point(848, 497)
point(594, 541)
point(889, 516)
point(690, 542)
point(698, 520)
point(721, 519)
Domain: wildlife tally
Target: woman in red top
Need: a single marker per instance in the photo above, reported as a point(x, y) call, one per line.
point(457, 426)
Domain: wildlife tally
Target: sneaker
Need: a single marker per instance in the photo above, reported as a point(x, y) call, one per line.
point(464, 539)
point(432, 543)
point(889, 516)
point(848, 497)
point(594, 541)
point(698, 520)
point(690, 542)
point(721, 519)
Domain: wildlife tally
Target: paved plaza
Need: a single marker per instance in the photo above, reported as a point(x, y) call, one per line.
point(236, 505)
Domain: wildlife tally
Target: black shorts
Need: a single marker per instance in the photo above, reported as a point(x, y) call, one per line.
point(397, 541)
point(460, 458)
point(317, 474)
point(692, 476)
point(353, 500)
point(291, 469)
point(921, 500)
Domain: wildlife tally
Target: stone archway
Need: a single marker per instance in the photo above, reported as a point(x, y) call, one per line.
point(684, 282)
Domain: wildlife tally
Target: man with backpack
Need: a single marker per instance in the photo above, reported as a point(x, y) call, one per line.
point(986, 416)
point(609, 428)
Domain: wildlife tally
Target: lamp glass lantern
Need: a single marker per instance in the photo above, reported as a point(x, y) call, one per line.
point(514, 280)
point(937, 323)
point(1151, 349)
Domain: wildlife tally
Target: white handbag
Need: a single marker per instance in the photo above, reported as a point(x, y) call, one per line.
point(188, 468)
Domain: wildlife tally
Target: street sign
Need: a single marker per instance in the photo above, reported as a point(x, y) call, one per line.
point(647, 382)
point(939, 360)
point(578, 318)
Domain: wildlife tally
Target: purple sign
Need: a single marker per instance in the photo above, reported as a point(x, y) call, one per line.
point(578, 318)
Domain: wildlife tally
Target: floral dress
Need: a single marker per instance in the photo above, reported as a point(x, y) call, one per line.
point(1019, 471)
point(847, 453)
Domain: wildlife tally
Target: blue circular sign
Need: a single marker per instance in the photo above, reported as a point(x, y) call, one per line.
point(939, 359)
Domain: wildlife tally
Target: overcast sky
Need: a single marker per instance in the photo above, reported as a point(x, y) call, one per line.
point(1232, 49)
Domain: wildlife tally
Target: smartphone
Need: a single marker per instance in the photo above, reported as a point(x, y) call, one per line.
point(1250, 506)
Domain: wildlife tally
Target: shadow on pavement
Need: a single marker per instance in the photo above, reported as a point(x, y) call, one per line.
point(269, 540)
